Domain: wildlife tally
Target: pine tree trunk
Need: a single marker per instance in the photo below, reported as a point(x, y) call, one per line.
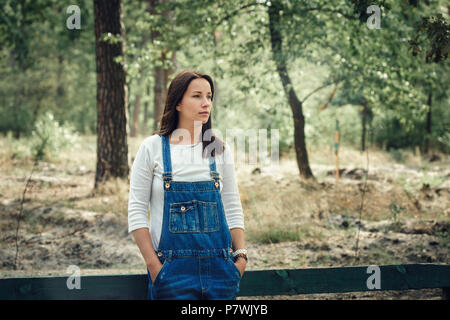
point(428, 126)
point(112, 94)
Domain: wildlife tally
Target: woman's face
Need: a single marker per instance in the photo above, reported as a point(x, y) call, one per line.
point(196, 103)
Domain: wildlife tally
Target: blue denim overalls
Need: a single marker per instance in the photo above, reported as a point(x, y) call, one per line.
point(195, 244)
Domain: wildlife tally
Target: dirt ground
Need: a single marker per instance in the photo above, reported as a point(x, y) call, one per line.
point(397, 226)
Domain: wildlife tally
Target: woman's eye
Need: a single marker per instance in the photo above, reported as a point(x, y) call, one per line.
point(197, 96)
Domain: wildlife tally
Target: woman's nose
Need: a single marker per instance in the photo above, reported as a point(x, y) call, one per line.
point(205, 102)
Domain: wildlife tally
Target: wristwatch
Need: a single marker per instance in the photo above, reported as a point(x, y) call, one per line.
point(240, 253)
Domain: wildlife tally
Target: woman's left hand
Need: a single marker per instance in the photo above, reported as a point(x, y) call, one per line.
point(241, 263)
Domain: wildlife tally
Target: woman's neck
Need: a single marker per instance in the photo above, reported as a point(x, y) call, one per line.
point(186, 135)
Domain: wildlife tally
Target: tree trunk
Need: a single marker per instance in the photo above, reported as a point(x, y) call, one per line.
point(160, 89)
point(136, 110)
point(158, 98)
point(60, 92)
point(112, 94)
point(217, 93)
point(167, 72)
point(144, 121)
point(295, 104)
point(161, 73)
point(428, 126)
point(364, 126)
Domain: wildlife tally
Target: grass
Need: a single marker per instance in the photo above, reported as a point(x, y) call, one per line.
point(444, 238)
point(379, 254)
point(273, 233)
point(280, 209)
point(278, 206)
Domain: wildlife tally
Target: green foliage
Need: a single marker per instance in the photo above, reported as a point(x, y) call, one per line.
point(437, 30)
point(47, 68)
point(49, 137)
point(395, 210)
point(276, 234)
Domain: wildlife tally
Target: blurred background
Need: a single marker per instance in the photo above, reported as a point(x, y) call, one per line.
point(357, 87)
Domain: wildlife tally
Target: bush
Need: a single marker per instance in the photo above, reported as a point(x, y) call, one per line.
point(49, 137)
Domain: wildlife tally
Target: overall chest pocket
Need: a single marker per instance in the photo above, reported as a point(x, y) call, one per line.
point(193, 217)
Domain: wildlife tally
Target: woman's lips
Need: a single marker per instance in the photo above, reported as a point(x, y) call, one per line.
point(204, 113)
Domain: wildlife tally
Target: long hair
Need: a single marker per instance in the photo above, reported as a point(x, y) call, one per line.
point(169, 119)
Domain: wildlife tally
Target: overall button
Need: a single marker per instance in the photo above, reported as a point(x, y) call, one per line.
point(159, 254)
point(167, 186)
point(183, 208)
point(216, 184)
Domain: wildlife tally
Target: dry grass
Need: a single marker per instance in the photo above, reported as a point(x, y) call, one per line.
point(275, 202)
point(279, 208)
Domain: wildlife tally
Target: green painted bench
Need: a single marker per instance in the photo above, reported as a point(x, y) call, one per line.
point(254, 283)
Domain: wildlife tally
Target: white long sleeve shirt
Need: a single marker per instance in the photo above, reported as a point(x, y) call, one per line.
point(146, 184)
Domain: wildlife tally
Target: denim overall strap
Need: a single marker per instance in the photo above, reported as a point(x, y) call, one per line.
point(167, 174)
point(214, 174)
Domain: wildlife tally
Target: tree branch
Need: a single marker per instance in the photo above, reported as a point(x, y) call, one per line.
point(235, 12)
point(321, 87)
point(344, 14)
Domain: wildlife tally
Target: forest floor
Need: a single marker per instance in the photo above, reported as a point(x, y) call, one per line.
point(289, 224)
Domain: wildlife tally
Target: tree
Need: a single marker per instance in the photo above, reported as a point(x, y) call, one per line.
point(164, 65)
point(17, 31)
point(112, 127)
point(382, 77)
point(295, 104)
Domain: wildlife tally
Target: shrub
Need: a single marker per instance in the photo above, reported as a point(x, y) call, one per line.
point(49, 137)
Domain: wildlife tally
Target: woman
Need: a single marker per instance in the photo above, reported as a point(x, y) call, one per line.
point(195, 248)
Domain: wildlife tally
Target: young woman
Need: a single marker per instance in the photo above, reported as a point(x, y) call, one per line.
point(194, 248)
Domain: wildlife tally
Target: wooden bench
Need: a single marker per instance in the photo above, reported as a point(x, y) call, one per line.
point(254, 283)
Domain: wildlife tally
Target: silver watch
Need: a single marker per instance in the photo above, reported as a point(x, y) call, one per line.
point(238, 251)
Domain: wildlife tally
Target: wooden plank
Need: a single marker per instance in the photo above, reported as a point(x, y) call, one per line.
point(343, 279)
point(254, 283)
point(95, 287)
point(446, 293)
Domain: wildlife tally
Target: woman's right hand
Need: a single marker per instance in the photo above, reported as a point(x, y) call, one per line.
point(144, 242)
point(154, 270)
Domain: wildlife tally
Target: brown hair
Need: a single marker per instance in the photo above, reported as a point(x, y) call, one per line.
point(169, 120)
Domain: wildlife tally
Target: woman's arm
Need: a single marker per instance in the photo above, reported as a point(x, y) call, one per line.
point(232, 205)
point(141, 179)
point(238, 242)
point(139, 199)
point(144, 242)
